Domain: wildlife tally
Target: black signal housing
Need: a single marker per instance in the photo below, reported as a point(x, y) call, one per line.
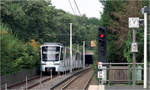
point(102, 45)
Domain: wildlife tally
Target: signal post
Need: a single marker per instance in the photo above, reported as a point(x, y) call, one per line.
point(133, 24)
point(101, 54)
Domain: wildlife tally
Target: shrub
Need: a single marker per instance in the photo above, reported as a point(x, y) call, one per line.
point(15, 54)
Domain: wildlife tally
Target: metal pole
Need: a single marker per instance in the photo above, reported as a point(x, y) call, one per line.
point(51, 74)
point(65, 70)
point(26, 82)
point(134, 69)
point(40, 79)
point(99, 84)
point(5, 86)
point(22, 88)
point(78, 47)
point(83, 54)
point(70, 47)
point(78, 64)
point(145, 50)
point(101, 81)
point(134, 60)
point(66, 61)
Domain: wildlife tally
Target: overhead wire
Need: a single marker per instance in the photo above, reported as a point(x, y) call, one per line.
point(71, 6)
point(77, 7)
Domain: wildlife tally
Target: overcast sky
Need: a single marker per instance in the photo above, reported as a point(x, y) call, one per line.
point(91, 8)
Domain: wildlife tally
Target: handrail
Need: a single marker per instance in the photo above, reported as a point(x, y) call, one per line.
point(120, 63)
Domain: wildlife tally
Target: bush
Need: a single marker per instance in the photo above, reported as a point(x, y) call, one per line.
point(15, 54)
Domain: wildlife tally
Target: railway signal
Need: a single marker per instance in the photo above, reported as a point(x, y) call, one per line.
point(102, 44)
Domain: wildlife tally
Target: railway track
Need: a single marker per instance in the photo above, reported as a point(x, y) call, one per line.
point(78, 81)
point(46, 83)
point(44, 79)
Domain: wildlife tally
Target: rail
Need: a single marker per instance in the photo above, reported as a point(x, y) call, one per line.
point(73, 76)
point(71, 81)
point(88, 82)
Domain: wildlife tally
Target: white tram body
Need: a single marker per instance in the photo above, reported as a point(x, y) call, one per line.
point(57, 57)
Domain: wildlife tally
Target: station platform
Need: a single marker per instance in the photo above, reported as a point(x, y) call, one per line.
point(116, 87)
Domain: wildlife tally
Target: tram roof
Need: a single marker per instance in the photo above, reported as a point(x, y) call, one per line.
point(52, 44)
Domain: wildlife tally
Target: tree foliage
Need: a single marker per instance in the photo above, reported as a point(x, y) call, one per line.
point(30, 23)
point(115, 18)
point(39, 20)
point(15, 54)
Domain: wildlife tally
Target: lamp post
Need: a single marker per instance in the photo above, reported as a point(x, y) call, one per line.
point(145, 11)
point(70, 47)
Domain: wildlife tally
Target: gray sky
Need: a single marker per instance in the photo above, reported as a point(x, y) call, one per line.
point(91, 8)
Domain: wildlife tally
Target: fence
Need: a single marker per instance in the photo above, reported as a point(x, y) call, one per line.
point(18, 77)
point(122, 73)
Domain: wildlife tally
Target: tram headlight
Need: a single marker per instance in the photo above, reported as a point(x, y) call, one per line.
point(43, 63)
point(56, 63)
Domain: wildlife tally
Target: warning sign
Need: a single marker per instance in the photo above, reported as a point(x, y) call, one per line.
point(134, 47)
point(100, 74)
point(100, 65)
point(133, 22)
point(93, 43)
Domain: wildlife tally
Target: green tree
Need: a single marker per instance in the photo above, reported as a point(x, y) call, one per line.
point(115, 18)
point(15, 55)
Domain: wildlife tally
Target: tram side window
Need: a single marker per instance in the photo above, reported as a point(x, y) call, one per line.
point(77, 56)
point(44, 50)
point(62, 54)
point(57, 55)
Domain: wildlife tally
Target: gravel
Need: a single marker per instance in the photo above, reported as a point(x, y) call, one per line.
point(53, 82)
point(80, 82)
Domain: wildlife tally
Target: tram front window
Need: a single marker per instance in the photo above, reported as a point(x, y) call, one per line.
point(50, 53)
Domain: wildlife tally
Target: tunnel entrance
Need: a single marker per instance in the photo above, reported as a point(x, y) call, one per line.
point(89, 58)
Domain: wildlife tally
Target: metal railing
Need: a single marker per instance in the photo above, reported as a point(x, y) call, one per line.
point(109, 67)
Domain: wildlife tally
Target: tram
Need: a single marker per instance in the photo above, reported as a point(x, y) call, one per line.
point(56, 57)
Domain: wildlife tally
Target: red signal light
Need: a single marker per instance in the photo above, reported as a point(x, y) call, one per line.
point(101, 35)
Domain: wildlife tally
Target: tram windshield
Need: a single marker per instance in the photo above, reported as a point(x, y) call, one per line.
point(50, 53)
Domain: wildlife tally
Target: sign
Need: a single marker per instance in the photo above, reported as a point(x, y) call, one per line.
point(100, 74)
point(93, 43)
point(100, 65)
point(146, 9)
point(133, 22)
point(134, 47)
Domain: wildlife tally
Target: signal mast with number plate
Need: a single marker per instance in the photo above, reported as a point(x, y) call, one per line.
point(101, 51)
